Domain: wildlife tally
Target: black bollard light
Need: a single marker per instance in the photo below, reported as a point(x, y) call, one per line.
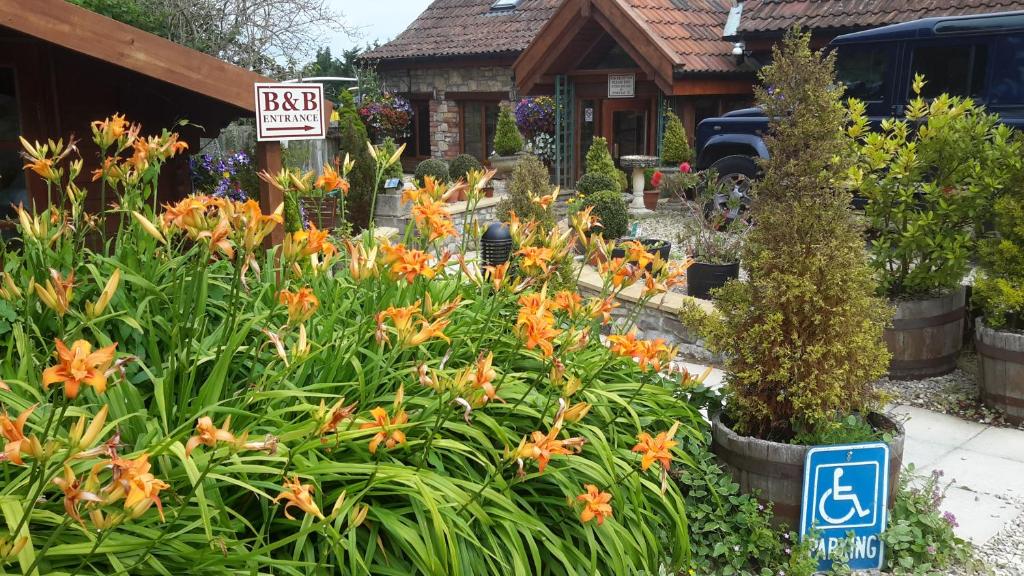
point(496, 244)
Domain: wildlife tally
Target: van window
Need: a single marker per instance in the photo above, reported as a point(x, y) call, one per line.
point(1008, 76)
point(954, 69)
point(863, 69)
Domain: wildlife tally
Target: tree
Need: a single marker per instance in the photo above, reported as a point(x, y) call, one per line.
point(352, 141)
point(674, 147)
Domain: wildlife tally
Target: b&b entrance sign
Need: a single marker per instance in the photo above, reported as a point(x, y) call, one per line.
point(290, 112)
point(846, 489)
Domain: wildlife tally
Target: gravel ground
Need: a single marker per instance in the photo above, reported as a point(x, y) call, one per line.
point(665, 223)
point(955, 394)
point(1003, 555)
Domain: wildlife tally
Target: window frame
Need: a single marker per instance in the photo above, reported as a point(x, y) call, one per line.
point(484, 103)
point(969, 41)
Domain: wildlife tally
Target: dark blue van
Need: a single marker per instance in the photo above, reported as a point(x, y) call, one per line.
point(980, 56)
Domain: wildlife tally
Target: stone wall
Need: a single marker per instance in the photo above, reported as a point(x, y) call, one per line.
point(445, 129)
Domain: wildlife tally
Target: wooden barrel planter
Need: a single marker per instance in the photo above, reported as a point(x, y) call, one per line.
point(1001, 370)
point(926, 336)
point(775, 471)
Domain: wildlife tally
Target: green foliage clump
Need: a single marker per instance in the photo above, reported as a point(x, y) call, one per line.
point(388, 149)
point(999, 285)
point(507, 139)
point(433, 167)
point(928, 180)
point(530, 179)
point(599, 160)
point(463, 164)
point(612, 211)
point(675, 149)
point(595, 182)
point(362, 178)
point(920, 539)
point(803, 334)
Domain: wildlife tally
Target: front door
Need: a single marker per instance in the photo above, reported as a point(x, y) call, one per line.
point(627, 125)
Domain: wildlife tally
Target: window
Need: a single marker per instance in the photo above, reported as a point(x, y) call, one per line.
point(13, 190)
point(957, 69)
point(1008, 75)
point(417, 144)
point(504, 4)
point(863, 69)
point(479, 119)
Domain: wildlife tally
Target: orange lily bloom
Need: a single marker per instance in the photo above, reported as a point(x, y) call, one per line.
point(385, 424)
point(208, 434)
point(602, 309)
point(299, 495)
point(427, 331)
point(338, 414)
point(17, 443)
point(57, 291)
point(301, 304)
point(535, 258)
point(408, 263)
point(596, 504)
point(497, 274)
point(656, 449)
point(481, 378)
point(543, 446)
point(79, 365)
point(108, 131)
point(330, 180)
point(538, 332)
point(140, 488)
point(74, 495)
point(432, 218)
point(568, 301)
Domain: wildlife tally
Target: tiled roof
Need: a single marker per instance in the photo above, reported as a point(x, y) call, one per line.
point(761, 16)
point(691, 30)
point(450, 28)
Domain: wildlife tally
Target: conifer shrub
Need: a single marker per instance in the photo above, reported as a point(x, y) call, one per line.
point(803, 334)
point(599, 161)
point(362, 178)
point(612, 211)
point(507, 139)
point(595, 182)
point(674, 147)
point(463, 164)
point(999, 286)
point(433, 167)
point(529, 179)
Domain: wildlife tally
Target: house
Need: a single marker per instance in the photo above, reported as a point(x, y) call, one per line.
point(613, 66)
point(62, 66)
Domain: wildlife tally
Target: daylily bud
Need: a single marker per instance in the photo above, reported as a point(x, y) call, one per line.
point(339, 502)
point(149, 227)
point(95, 310)
point(10, 290)
point(576, 412)
point(397, 155)
point(358, 515)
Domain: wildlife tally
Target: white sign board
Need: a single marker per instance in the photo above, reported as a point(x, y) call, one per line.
point(290, 112)
point(621, 85)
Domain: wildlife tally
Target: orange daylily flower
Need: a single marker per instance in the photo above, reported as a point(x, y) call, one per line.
point(409, 263)
point(656, 449)
point(497, 274)
point(433, 219)
point(568, 301)
point(427, 331)
point(388, 433)
point(74, 495)
point(535, 258)
point(602, 308)
point(543, 446)
point(299, 495)
point(596, 504)
point(208, 434)
point(480, 377)
point(301, 304)
point(108, 131)
point(330, 180)
point(14, 433)
point(79, 365)
point(338, 414)
point(139, 487)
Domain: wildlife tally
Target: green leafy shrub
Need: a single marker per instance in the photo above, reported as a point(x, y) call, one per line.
point(803, 334)
point(463, 164)
point(928, 180)
point(599, 161)
point(612, 211)
point(530, 179)
point(595, 182)
point(352, 141)
point(388, 148)
point(507, 139)
point(675, 149)
point(920, 539)
point(433, 167)
point(999, 284)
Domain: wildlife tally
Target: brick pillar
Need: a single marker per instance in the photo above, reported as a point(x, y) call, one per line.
point(444, 127)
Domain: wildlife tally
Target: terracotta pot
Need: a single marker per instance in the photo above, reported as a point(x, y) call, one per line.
point(776, 470)
point(489, 192)
point(926, 336)
point(1001, 370)
point(651, 198)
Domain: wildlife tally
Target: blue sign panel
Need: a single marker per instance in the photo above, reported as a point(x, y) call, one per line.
point(846, 488)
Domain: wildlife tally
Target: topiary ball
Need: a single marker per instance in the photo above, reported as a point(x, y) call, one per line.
point(595, 182)
point(438, 169)
point(463, 164)
point(611, 209)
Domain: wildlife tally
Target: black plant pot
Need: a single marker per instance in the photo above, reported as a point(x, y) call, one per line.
point(654, 246)
point(702, 278)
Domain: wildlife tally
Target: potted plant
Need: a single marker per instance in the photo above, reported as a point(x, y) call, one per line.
point(319, 199)
point(711, 237)
point(674, 147)
point(652, 181)
point(508, 143)
point(999, 295)
point(802, 335)
point(926, 180)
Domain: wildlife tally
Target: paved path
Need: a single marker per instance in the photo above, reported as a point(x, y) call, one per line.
point(986, 464)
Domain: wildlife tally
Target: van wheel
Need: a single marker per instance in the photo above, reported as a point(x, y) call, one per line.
point(735, 175)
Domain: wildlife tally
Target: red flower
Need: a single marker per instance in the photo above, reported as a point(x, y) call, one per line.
point(656, 179)
point(685, 168)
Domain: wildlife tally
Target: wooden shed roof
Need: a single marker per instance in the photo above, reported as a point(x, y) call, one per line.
point(75, 28)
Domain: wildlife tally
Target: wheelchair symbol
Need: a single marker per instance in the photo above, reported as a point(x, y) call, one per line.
point(840, 493)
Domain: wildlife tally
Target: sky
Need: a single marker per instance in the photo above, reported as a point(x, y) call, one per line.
point(379, 20)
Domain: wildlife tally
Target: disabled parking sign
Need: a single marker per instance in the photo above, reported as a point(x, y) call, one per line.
point(846, 488)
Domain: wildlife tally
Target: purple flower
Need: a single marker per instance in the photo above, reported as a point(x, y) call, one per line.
point(931, 550)
point(950, 518)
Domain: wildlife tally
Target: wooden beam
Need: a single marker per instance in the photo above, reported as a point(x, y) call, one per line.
point(268, 158)
point(81, 30)
point(698, 86)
